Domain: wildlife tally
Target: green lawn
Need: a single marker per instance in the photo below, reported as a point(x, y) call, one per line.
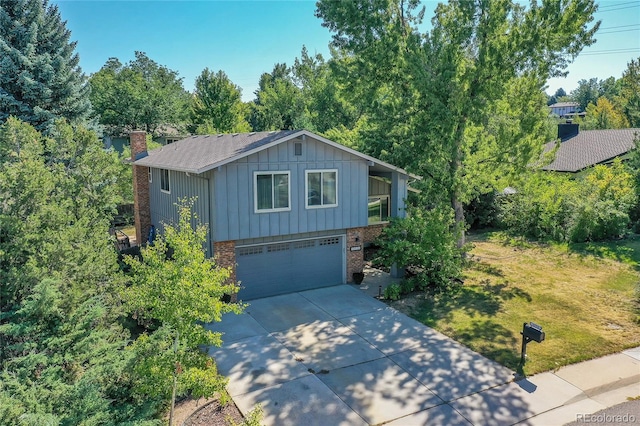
point(584, 296)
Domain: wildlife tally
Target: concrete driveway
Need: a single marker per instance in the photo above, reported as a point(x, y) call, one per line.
point(335, 356)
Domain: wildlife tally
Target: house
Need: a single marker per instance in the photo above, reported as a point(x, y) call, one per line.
point(579, 150)
point(564, 109)
point(164, 136)
point(287, 210)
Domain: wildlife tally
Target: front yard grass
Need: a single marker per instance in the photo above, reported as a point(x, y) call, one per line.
point(584, 296)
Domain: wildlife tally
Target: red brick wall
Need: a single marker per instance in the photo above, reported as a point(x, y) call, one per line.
point(141, 201)
point(355, 259)
point(372, 232)
point(225, 256)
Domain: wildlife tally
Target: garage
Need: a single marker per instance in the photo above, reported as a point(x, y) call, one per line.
point(289, 266)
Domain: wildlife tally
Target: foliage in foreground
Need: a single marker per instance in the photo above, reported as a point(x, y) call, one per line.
point(427, 242)
point(177, 286)
point(62, 348)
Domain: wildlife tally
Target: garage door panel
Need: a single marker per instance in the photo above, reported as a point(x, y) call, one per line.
point(286, 267)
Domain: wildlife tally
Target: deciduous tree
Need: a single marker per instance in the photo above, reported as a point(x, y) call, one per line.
point(630, 92)
point(278, 104)
point(178, 286)
point(139, 95)
point(217, 106)
point(462, 103)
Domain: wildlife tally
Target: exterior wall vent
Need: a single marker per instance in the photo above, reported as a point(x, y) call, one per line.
point(297, 148)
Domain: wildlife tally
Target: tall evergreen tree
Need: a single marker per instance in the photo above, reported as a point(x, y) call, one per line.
point(40, 79)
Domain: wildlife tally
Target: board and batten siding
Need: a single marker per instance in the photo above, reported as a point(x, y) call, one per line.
point(233, 184)
point(163, 205)
point(379, 187)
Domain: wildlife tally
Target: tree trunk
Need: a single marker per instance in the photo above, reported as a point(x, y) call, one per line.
point(175, 379)
point(459, 217)
point(456, 166)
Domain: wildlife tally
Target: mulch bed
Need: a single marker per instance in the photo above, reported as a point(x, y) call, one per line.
point(212, 414)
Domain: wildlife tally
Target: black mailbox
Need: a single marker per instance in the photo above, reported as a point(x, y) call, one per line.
point(533, 332)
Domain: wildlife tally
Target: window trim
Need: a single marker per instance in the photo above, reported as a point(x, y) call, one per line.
point(255, 190)
point(306, 188)
point(168, 180)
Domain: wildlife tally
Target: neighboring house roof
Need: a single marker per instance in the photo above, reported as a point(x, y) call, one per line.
point(564, 104)
point(590, 147)
point(198, 154)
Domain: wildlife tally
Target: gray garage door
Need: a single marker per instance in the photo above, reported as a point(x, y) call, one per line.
point(286, 267)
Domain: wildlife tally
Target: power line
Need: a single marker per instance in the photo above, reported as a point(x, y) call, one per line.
point(606, 6)
point(610, 52)
point(620, 26)
point(620, 8)
point(619, 31)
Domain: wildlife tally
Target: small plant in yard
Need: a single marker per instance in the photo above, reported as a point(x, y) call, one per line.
point(392, 292)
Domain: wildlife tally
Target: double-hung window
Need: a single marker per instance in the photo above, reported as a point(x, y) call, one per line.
point(321, 188)
point(164, 181)
point(272, 191)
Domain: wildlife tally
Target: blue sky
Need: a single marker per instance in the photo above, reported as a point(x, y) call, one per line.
point(246, 38)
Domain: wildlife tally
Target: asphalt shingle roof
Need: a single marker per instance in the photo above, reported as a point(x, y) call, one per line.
point(590, 147)
point(198, 153)
point(564, 104)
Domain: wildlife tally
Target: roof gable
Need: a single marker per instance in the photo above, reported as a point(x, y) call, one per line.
point(590, 147)
point(198, 154)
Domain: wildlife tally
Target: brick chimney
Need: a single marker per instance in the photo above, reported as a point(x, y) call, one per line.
point(141, 201)
point(567, 130)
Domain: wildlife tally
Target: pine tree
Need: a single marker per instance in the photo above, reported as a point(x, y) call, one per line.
point(40, 79)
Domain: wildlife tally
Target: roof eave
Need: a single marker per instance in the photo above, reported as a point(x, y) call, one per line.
point(311, 135)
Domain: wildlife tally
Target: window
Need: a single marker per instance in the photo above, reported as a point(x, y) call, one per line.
point(322, 188)
point(378, 209)
point(164, 181)
point(271, 191)
point(150, 176)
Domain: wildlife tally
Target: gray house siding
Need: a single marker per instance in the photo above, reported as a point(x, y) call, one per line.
point(163, 205)
point(235, 217)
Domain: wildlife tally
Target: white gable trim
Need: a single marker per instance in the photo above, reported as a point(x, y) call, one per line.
point(311, 135)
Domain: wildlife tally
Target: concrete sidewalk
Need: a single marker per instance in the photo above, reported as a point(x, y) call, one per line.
point(590, 386)
point(336, 356)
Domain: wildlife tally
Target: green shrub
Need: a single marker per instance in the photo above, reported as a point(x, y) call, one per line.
point(550, 206)
point(407, 286)
point(392, 292)
point(426, 240)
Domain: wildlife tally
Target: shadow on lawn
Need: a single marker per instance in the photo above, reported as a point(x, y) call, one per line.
point(481, 333)
point(626, 251)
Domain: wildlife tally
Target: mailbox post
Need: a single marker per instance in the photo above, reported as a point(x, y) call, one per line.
point(531, 331)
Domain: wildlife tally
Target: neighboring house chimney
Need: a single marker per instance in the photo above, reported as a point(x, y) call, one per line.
point(141, 201)
point(567, 130)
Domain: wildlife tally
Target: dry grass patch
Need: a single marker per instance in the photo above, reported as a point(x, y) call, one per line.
point(584, 296)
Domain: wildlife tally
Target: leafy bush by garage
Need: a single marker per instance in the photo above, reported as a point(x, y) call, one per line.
point(423, 241)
